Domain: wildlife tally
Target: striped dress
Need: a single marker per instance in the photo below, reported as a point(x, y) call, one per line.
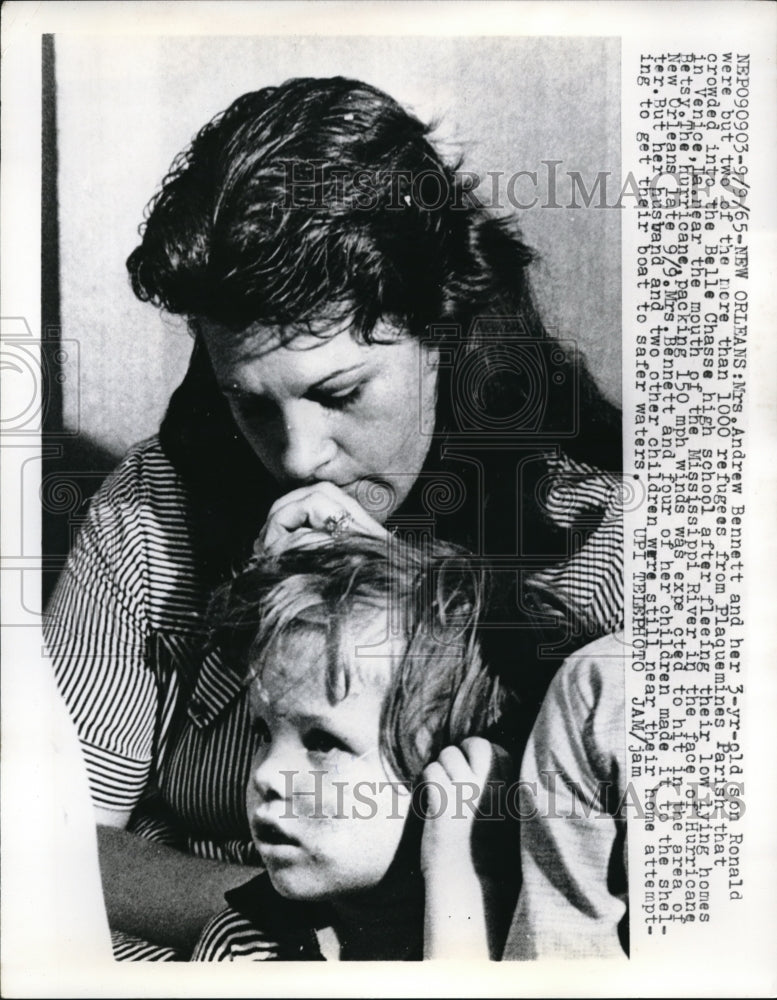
point(162, 721)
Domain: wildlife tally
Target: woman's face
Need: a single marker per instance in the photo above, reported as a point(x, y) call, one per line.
point(331, 408)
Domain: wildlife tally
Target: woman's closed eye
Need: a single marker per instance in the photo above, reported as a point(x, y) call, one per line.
point(341, 400)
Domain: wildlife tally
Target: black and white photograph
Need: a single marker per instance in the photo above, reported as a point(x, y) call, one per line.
point(384, 561)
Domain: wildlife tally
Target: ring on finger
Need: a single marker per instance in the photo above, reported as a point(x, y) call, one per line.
point(337, 524)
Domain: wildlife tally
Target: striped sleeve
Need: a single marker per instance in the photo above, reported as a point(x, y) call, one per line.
point(588, 503)
point(128, 948)
point(96, 633)
point(230, 937)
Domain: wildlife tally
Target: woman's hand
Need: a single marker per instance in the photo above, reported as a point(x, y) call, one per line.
point(464, 852)
point(314, 515)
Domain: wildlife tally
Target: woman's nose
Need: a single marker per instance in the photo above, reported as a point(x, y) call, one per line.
point(308, 445)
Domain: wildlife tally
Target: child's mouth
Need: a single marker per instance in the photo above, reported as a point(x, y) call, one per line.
point(269, 833)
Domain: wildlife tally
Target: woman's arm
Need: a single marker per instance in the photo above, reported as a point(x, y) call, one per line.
point(158, 893)
point(98, 626)
point(96, 630)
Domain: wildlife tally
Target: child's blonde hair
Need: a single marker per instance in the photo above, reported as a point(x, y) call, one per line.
point(440, 691)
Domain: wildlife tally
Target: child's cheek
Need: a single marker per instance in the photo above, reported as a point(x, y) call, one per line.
point(350, 789)
point(324, 794)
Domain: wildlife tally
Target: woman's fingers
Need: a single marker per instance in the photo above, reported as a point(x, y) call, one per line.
point(303, 492)
point(322, 508)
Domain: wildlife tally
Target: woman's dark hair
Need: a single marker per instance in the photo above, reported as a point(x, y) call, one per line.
point(324, 199)
point(322, 195)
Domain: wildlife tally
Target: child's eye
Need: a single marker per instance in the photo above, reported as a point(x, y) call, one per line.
point(260, 731)
point(320, 741)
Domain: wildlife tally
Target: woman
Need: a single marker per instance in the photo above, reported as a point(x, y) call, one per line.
point(367, 354)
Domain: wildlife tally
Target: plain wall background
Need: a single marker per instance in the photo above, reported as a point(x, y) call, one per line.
point(126, 106)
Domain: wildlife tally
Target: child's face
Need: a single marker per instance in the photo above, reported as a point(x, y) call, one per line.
point(321, 815)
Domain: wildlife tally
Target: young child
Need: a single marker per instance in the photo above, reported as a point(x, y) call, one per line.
point(370, 700)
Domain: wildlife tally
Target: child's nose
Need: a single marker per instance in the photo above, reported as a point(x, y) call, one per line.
point(269, 776)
